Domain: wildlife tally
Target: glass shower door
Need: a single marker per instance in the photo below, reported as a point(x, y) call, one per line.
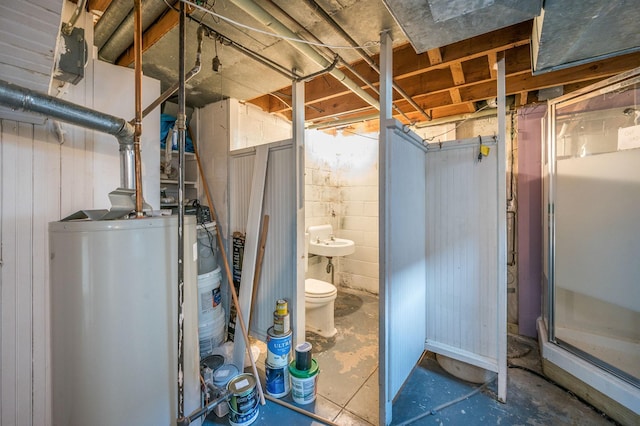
point(595, 237)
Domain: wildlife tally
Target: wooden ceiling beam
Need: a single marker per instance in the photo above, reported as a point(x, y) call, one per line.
point(516, 84)
point(98, 5)
point(408, 64)
point(435, 80)
point(169, 20)
point(457, 73)
point(435, 57)
point(492, 59)
point(455, 95)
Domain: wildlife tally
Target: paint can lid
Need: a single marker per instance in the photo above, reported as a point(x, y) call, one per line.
point(223, 374)
point(242, 384)
point(301, 374)
point(213, 361)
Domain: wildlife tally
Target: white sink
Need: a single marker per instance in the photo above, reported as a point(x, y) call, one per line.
point(332, 247)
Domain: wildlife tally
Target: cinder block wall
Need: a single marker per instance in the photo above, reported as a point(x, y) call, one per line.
point(341, 177)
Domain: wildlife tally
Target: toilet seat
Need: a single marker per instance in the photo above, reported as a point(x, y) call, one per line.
point(316, 288)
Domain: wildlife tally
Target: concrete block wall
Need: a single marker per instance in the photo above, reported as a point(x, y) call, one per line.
point(341, 188)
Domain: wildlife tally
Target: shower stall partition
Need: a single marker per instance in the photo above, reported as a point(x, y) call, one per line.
point(442, 256)
point(592, 272)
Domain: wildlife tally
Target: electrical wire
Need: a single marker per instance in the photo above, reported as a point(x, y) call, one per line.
point(441, 407)
point(430, 139)
point(362, 135)
point(297, 40)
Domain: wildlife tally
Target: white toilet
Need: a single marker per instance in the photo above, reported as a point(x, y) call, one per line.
point(319, 298)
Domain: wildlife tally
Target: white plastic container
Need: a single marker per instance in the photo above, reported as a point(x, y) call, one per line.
point(209, 296)
point(207, 248)
point(303, 383)
point(211, 334)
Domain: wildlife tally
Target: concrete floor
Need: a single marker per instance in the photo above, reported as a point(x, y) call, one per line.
point(348, 384)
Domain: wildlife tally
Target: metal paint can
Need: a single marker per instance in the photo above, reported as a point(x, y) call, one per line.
point(282, 307)
point(278, 381)
point(278, 348)
point(244, 406)
point(303, 356)
point(281, 323)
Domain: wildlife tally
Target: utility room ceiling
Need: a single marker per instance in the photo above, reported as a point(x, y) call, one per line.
point(453, 73)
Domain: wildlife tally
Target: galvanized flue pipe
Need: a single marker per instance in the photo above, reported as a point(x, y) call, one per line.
point(21, 98)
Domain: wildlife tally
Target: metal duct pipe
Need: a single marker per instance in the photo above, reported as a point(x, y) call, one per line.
point(317, 8)
point(110, 20)
point(20, 98)
point(122, 38)
point(278, 27)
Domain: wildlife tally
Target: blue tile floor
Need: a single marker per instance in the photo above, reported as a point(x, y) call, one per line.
point(348, 385)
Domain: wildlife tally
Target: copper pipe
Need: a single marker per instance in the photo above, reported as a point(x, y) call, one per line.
point(137, 45)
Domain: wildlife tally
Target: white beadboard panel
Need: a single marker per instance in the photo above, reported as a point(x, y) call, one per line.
point(28, 37)
point(462, 277)
point(278, 276)
point(240, 177)
point(8, 373)
point(250, 256)
point(46, 149)
point(17, 279)
point(402, 255)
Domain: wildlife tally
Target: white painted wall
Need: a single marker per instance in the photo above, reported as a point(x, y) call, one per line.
point(250, 126)
point(43, 180)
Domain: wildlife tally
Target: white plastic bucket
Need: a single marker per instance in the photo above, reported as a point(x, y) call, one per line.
point(212, 334)
point(209, 296)
point(303, 383)
point(207, 248)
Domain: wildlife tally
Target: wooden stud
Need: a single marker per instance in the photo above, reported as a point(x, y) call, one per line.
point(492, 58)
point(457, 73)
point(522, 98)
point(455, 96)
point(435, 57)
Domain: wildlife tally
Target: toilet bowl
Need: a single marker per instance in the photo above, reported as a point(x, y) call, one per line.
point(319, 299)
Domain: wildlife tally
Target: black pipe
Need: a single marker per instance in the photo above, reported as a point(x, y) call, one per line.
point(181, 124)
point(186, 421)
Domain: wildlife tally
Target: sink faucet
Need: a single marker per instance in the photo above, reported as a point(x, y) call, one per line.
point(317, 239)
point(332, 237)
